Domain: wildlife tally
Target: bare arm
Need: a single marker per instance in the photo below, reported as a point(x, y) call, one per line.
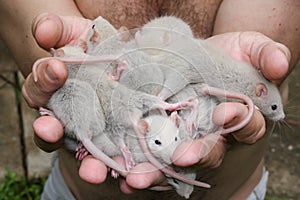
point(16, 18)
point(277, 19)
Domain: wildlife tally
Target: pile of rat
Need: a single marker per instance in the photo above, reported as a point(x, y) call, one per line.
point(120, 85)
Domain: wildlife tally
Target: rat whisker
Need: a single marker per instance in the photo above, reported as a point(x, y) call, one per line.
point(288, 123)
point(272, 129)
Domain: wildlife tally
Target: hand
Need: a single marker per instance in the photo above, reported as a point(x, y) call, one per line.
point(270, 57)
point(57, 31)
point(54, 31)
point(49, 131)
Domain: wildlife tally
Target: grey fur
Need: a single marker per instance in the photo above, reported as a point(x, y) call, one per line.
point(189, 60)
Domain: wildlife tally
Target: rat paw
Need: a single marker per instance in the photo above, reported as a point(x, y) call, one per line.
point(121, 66)
point(114, 173)
point(45, 112)
point(81, 152)
point(130, 163)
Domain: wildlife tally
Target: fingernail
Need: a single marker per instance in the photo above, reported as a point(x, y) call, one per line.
point(50, 73)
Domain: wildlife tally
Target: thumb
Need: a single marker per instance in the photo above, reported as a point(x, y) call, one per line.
point(52, 31)
point(271, 57)
point(51, 76)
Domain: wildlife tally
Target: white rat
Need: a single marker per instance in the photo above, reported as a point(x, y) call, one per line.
point(189, 60)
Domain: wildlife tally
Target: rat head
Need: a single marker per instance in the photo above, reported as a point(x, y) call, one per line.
point(69, 51)
point(268, 100)
point(162, 136)
point(152, 40)
point(182, 188)
point(160, 32)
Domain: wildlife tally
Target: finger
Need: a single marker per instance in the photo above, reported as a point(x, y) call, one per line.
point(51, 76)
point(207, 151)
point(253, 131)
point(270, 57)
point(48, 133)
point(231, 113)
point(125, 188)
point(56, 31)
point(144, 175)
point(92, 170)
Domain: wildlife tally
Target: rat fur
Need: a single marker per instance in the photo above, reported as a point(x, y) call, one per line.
point(189, 60)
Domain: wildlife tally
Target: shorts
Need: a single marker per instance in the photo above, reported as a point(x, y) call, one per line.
point(56, 188)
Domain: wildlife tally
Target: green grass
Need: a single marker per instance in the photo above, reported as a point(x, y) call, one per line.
point(17, 187)
point(271, 197)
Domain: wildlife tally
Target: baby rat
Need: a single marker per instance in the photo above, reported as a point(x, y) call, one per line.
point(157, 31)
point(137, 65)
point(189, 60)
point(104, 38)
point(161, 137)
point(77, 106)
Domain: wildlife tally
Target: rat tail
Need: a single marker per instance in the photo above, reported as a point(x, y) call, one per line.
point(97, 153)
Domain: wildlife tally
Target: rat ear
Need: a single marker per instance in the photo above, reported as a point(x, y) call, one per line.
point(57, 52)
point(82, 44)
point(175, 118)
point(143, 126)
point(261, 90)
point(95, 37)
point(166, 38)
point(123, 34)
point(137, 37)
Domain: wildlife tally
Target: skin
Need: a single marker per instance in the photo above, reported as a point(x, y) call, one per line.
point(57, 32)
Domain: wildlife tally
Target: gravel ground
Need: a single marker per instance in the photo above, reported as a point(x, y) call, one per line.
point(283, 156)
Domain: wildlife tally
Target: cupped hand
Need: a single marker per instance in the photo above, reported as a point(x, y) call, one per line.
point(270, 57)
point(51, 31)
point(56, 31)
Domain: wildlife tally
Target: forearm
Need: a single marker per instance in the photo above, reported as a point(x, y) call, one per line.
point(277, 19)
point(16, 18)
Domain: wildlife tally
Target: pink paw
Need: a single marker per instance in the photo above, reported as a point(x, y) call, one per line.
point(81, 152)
point(45, 112)
point(122, 65)
point(130, 163)
point(114, 173)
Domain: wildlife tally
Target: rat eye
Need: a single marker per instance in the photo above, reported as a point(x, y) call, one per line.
point(157, 142)
point(175, 181)
point(175, 139)
point(274, 107)
point(93, 26)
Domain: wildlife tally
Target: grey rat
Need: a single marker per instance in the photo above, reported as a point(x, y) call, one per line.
point(204, 126)
point(77, 106)
point(104, 39)
point(124, 107)
point(206, 106)
point(189, 60)
point(139, 65)
point(107, 91)
point(157, 33)
point(102, 32)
